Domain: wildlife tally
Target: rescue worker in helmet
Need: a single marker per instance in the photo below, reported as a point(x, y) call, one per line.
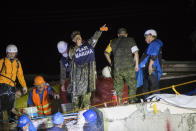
point(57, 120)
point(83, 68)
point(41, 96)
point(62, 47)
point(150, 69)
point(10, 69)
point(94, 120)
point(25, 124)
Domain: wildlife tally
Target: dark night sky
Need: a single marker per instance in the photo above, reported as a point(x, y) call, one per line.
point(36, 27)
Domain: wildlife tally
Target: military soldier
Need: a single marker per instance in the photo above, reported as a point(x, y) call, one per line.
point(83, 69)
point(125, 66)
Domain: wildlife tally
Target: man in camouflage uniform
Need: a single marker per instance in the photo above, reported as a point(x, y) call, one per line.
point(122, 48)
point(83, 68)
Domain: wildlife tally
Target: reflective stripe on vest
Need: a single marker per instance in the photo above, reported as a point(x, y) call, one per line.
point(48, 112)
point(45, 106)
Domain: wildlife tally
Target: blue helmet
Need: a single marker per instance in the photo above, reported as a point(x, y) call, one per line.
point(90, 115)
point(23, 121)
point(57, 118)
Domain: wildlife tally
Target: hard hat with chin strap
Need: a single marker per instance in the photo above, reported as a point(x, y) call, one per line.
point(11, 49)
point(23, 121)
point(151, 32)
point(39, 80)
point(90, 115)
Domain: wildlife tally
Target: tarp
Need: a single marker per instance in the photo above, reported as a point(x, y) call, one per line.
point(177, 100)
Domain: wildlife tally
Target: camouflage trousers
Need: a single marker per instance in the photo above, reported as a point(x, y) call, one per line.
point(128, 76)
point(82, 101)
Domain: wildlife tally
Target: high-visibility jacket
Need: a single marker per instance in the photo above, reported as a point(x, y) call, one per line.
point(11, 70)
point(44, 106)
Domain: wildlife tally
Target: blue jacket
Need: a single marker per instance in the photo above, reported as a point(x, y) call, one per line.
point(66, 64)
point(190, 93)
point(152, 50)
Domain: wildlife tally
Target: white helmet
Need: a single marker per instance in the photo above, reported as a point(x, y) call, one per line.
point(106, 72)
point(62, 46)
point(151, 32)
point(11, 48)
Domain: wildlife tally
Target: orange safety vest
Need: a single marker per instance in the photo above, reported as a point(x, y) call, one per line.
point(43, 108)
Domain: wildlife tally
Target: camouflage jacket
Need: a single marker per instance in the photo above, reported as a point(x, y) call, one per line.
point(121, 48)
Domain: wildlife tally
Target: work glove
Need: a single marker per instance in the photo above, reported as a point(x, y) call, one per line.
point(24, 90)
point(104, 28)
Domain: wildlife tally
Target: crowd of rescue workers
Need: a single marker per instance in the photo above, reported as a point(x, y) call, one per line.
point(78, 67)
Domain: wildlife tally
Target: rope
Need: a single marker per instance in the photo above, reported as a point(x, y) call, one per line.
point(173, 88)
point(133, 96)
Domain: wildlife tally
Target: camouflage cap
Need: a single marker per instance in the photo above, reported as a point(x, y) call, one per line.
point(122, 30)
point(74, 33)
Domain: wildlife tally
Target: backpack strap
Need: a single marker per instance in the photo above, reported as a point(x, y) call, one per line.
point(5, 70)
point(2, 65)
point(17, 66)
point(17, 63)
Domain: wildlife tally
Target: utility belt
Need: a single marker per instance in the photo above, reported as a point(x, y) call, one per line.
point(6, 89)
